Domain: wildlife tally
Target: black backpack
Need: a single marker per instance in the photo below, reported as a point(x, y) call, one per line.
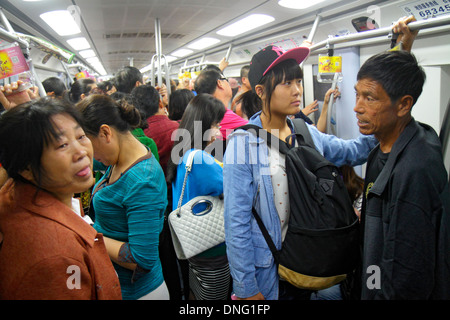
point(322, 242)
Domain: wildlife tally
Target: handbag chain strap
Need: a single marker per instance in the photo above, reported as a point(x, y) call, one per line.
point(189, 161)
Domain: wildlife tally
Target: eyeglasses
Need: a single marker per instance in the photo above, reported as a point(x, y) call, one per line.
point(223, 78)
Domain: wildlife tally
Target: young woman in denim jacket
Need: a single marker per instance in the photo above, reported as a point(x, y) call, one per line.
point(254, 175)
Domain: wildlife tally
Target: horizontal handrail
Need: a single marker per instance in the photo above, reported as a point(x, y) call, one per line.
point(386, 31)
point(416, 25)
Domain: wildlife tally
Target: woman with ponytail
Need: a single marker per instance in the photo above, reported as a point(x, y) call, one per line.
point(128, 202)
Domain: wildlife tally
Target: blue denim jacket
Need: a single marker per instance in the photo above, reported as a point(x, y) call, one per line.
point(247, 183)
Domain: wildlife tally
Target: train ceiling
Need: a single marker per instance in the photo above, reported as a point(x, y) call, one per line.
point(122, 32)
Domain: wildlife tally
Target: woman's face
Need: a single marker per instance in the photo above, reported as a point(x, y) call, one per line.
point(106, 148)
point(66, 163)
point(286, 98)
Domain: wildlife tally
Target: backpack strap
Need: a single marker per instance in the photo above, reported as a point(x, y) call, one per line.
point(301, 129)
point(267, 138)
point(266, 235)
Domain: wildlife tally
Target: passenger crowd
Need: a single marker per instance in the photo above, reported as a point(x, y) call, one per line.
point(90, 174)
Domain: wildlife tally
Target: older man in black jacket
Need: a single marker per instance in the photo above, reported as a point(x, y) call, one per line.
point(406, 204)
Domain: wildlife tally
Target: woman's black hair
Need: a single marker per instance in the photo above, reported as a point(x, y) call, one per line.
point(126, 100)
point(79, 87)
point(284, 71)
point(201, 114)
point(98, 109)
point(26, 130)
point(178, 102)
point(106, 85)
point(250, 103)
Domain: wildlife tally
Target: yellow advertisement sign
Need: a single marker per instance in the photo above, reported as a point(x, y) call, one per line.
point(330, 64)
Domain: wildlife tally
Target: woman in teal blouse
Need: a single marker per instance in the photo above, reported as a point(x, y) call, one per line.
point(129, 200)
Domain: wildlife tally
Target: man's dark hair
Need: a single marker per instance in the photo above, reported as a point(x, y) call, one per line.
point(244, 71)
point(55, 85)
point(146, 99)
point(397, 72)
point(206, 81)
point(125, 80)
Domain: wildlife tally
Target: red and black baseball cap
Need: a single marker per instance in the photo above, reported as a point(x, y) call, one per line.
point(267, 58)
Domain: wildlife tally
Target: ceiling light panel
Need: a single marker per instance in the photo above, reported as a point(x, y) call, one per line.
point(93, 60)
point(62, 22)
point(298, 4)
point(79, 43)
point(203, 43)
point(181, 52)
point(87, 53)
point(249, 23)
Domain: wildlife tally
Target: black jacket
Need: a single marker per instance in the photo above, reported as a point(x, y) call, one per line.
point(407, 221)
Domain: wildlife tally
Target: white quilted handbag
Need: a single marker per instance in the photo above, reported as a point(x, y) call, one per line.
point(193, 233)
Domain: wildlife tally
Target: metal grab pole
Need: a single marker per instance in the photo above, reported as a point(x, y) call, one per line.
point(5, 21)
point(201, 64)
point(331, 129)
point(152, 71)
point(227, 56)
point(37, 81)
point(158, 49)
point(68, 78)
point(312, 33)
point(166, 66)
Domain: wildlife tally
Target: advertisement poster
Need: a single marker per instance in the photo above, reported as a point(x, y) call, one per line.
point(12, 62)
point(330, 64)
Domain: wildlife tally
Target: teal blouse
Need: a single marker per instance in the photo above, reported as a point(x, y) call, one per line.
point(131, 210)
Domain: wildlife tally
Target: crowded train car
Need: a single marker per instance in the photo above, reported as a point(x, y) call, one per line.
point(224, 150)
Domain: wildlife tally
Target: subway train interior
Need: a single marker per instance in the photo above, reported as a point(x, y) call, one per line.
point(175, 39)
